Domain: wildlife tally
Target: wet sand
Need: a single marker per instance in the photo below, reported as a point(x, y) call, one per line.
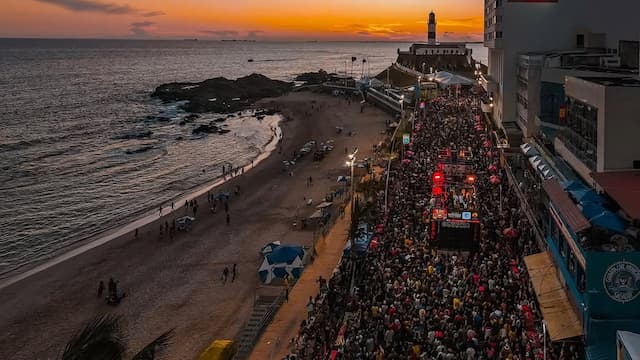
point(175, 284)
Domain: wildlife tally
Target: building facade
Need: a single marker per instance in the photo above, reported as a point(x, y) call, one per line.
point(540, 96)
point(514, 27)
point(602, 127)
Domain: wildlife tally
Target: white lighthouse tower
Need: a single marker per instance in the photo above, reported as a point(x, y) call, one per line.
point(431, 28)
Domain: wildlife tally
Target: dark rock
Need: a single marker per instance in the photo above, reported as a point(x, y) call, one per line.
point(182, 123)
point(312, 78)
point(139, 150)
point(136, 135)
point(205, 128)
point(249, 89)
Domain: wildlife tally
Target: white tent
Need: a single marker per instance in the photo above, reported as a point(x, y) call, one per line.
point(528, 149)
point(445, 79)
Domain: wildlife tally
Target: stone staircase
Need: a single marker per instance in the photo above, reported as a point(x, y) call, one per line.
point(264, 309)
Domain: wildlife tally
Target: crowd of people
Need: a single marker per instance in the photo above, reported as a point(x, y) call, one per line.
point(407, 299)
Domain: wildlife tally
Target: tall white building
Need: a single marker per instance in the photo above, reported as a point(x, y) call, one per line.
point(514, 27)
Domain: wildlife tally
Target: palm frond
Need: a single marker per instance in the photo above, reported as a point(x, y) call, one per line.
point(155, 347)
point(99, 339)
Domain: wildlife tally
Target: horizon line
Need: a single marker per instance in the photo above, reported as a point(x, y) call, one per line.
point(226, 40)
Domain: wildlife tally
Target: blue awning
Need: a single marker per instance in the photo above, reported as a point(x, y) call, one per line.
point(591, 209)
point(573, 185)
point(609, 220)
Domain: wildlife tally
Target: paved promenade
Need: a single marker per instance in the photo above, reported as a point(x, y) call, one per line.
point(274, 342)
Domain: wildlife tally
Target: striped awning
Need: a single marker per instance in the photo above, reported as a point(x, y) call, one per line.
point(559, 314)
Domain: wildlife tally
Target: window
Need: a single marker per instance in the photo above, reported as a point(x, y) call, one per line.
point(581, 134)
point(498, 34)
point(580, 41)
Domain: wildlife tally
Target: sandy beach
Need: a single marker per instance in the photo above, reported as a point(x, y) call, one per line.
point(175, 284)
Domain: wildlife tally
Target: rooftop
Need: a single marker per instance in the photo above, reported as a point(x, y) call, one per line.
point(440, 44)
point(623, 187)
point(613, 81)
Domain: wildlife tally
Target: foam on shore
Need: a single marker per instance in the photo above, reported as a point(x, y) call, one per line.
point(145, 218)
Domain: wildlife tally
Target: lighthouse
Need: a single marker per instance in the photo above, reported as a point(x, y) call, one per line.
point(431, 28)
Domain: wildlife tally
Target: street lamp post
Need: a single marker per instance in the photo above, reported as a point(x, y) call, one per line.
point(351, 163)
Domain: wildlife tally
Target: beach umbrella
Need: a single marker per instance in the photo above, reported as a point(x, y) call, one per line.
point(489, 154)
point(409, 153)
point(510, 233)
point(492, 168)
point(406, 161)
point(494, 179)
point(486, 144)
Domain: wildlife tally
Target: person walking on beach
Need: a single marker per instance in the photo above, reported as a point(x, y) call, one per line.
point(172, 205)
point(225, 275)
point(100, 288)
point(160, 211)
point(286, 287)
point(234, 272)
point(237, 191)
point(228, 219)
point(135, 236)
point(112, 288)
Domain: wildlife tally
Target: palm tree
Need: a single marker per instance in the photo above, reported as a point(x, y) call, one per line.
point(102, 338)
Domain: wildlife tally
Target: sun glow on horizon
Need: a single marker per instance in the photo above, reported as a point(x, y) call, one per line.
point(401, 20)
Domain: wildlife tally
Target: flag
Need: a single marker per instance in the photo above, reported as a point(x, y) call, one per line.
point(353, 58)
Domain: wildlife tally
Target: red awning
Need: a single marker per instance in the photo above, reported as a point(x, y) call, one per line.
point(566, 207)
point(623, 187)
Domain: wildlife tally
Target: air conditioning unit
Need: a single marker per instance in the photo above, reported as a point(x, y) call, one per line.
point(610, 61)
point(633, 232)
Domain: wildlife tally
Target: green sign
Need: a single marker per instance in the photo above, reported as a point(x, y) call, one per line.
point(405, 139)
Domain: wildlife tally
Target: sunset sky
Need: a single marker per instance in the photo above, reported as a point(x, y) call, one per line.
point(394, 20)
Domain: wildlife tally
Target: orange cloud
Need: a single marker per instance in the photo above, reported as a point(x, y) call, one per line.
point(274, 19)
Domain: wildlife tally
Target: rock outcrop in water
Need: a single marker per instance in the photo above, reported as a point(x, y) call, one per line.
point(220, 94)
point(314, 78)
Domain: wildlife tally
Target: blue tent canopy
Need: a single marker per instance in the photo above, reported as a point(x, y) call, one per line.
point(285, 254)
point(588, 196)
point(591, 209)
point(283, 260)
point(269, 247)
point(609, 220)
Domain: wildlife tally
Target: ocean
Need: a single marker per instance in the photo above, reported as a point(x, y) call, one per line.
point(83, 147)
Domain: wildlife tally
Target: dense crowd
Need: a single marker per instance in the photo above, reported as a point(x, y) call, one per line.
point(406, 299)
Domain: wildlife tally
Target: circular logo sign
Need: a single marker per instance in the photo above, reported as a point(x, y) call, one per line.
point(622, 281)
